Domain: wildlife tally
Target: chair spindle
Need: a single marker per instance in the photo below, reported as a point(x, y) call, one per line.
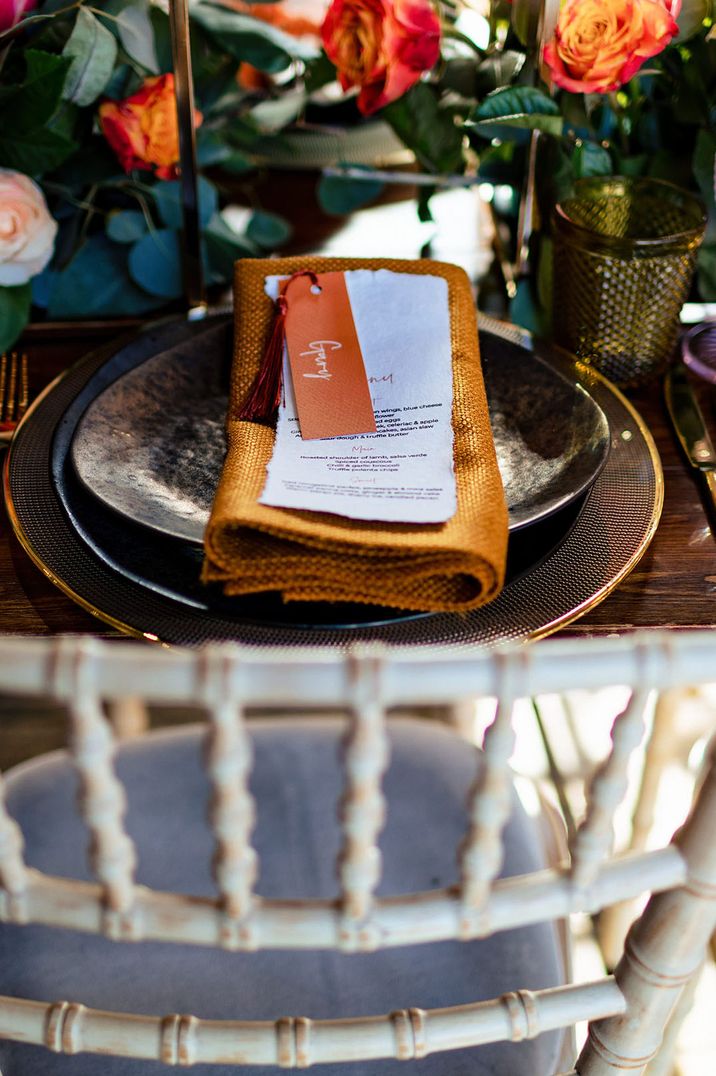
point(102, 797)
point(363, 806)
point(229, 760)
point(594, 838)
point(481, 852)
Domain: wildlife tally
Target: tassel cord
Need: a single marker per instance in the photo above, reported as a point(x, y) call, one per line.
point(264, 398)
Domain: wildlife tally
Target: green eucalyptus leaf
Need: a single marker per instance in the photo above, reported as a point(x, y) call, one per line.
point(168, 200)
point(131, 23)
point(126, 226)
point(92, 50)
point(426, 128)
point(96, 283)
point(237, 164)
point(339, 195)
point(123, 82)
point(268, 230)
point(7, 35)
point(42, 285)
point(34, 151)
point(162, 38)
point(211, 148)
point(223, 246)
point(270, 116)
point(258, 43)
point(589, 159)
point(14, 313)
point(155, 263)
point(31, 103)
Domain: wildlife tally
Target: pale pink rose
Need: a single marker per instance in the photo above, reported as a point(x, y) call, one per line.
point(27, 231)
point(11, 11)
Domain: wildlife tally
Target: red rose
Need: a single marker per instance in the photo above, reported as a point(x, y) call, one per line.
point(383, 46)
point(143, 130)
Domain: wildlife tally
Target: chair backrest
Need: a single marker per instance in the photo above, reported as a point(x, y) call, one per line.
point(627, 1011)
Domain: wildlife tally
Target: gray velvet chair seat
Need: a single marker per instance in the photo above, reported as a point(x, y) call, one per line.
point(296, 781)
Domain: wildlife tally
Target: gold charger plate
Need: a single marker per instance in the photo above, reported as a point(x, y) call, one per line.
point(617, 521)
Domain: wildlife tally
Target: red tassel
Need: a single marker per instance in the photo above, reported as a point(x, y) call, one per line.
point(263, 400)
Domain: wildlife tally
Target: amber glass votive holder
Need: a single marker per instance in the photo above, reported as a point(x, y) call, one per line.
point(624, 258)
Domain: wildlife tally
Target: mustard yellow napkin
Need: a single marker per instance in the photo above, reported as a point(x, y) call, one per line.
point(316, 556)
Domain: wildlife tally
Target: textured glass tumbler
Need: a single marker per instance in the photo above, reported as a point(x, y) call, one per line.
point(624, 257)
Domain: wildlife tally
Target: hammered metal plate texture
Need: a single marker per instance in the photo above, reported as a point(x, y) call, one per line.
point(610, 534)
point(151, 444)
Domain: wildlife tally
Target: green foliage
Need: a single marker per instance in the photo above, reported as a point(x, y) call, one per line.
point(14, 313)
point(126, 226)
point(34, 151)
point(31, 103)
point(222, 247)
point(27, 142)
point(428, 128)
point(130, 22)
point(268, 230)
point(118, 249)
point(155, 263)
point(257, 43)
point(92, 51)
point(319, 72)
point(168, 200)
point(589, 159)
point(509, 112)
point(338, 195)
point(96, 283)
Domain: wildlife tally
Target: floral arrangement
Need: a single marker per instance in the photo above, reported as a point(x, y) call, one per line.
point(89, 200)
point(90, 210)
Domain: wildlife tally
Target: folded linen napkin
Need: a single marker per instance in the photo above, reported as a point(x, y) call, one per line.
point(316, 556)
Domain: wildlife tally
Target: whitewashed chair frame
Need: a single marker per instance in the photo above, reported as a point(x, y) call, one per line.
point(627, 1012)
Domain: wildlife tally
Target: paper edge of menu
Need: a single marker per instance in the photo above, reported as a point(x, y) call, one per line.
point(403, 473)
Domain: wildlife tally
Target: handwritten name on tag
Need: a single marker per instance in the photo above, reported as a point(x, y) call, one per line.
point(327, 370)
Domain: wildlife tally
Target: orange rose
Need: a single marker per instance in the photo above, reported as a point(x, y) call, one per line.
point(599, 44)
point(383, 46)
point(143, 130)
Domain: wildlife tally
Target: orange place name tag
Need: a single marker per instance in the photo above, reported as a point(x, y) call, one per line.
point(327, 369)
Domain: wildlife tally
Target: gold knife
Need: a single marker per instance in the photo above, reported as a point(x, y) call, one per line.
point(690, 426)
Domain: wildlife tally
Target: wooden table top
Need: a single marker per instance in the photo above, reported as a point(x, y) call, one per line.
point(674, 585)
